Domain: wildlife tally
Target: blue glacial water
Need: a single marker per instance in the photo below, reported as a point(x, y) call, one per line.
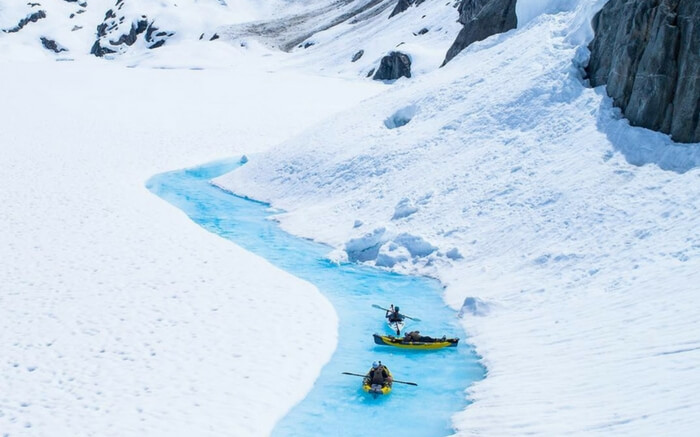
point(336, 405)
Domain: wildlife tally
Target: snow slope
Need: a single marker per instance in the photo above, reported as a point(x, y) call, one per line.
point(74, 25)
point(118, 315)
point(572, 238)
point(350, 39)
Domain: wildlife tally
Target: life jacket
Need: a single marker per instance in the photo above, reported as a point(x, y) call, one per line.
point(377, 376)
point(395, 316)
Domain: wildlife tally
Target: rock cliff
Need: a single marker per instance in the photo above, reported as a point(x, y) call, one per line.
point(647, 53)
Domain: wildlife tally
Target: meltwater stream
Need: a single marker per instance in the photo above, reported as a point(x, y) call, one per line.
point(336, 405)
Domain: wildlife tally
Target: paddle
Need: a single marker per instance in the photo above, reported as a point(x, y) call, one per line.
point(393, 380)
point(415, 319)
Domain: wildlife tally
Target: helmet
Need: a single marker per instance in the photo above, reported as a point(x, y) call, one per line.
point(397, 309)
point(375, 365)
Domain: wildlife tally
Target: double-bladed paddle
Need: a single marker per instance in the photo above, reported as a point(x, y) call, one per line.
point(393, 380)
point(415, 319)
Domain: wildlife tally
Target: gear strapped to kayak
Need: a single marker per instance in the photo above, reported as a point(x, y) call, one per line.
point(414, 340)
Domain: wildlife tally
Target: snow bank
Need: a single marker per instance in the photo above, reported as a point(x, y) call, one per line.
point(581, 264)
point(579, 32)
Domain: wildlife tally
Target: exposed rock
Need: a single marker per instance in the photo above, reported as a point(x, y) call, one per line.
point(32, 18)
point(402, 5)
point(647, 53)
point(423, 31)
point(111, 26)
point(393, 66)
point(370, 73)
point(130, 38)
point(357, 55)
point(481, 19)
point(100, 51)
point(50, 44)
point(468, 10)
point(214, 37)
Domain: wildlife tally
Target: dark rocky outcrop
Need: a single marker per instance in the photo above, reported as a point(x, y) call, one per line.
point(31, 18)
point(647, 53)
point(402, 5)
point(393, 66)
point(357, 55)
point(481, 19)
point(52, 45)
point(129, 39)
point(112, 37)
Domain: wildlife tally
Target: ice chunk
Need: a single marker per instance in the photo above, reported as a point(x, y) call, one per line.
point(390, 254)
point(404, 208)
point(415, 245)
point(366, 248)
point(475, 307)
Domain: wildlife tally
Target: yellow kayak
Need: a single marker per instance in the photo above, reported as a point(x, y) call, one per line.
point(377, 389)
point(426, 343)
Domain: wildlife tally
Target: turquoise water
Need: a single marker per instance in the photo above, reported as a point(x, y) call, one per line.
point(336, 405)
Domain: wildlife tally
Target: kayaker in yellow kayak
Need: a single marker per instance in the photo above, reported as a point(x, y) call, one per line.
point(378, 379)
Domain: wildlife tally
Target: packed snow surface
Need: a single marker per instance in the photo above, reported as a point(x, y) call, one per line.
point(118, 315)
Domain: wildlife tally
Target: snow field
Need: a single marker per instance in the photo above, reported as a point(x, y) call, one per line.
point(118, 315)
